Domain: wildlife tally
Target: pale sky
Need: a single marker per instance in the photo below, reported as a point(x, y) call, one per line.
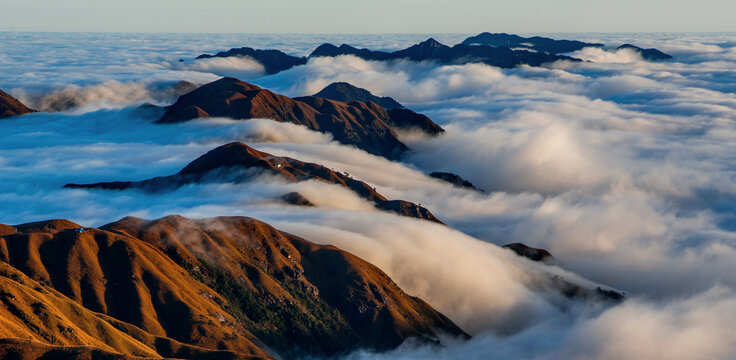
point(369, 16)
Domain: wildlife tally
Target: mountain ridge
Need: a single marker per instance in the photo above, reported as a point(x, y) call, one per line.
point(226, 162)
point(181, 283)
point(429, 49)
point(537, 43)
point(367, 126)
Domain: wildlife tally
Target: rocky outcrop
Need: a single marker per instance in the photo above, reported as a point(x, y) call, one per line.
point(454, 180)
point(531, 253)
point(10, 106)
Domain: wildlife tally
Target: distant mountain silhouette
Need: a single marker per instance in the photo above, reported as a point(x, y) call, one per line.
point(399, 117)
point(647, 54)
point(232, 162)
point(10, 106)
point(329, 50)
point(367, 126)
point(274, 61)
point(487, 48)
point(433, 50)
point(537, 43)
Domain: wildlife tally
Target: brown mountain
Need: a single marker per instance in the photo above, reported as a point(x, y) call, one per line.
point(10, 106)
point(96, 288)
point(182, 288)
point(321, 299)
point(400, 118)
point(367, 126)
point(342, 91)
point(239, 162)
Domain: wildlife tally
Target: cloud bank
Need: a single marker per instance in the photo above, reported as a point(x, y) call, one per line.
point(622, 168)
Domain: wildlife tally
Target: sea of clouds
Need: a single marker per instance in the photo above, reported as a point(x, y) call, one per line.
point(624, 169)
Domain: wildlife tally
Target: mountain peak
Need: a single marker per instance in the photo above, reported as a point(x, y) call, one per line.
point(48, 225)
point(346, 92)
point(232, 154)
point(273, 61)
point(431, 42)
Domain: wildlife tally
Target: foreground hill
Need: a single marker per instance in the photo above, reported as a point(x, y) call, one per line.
point(216, 288)
point(239, 163)
point(318, 297)
point(10, 106)
point(364, 125)
point(93, 288)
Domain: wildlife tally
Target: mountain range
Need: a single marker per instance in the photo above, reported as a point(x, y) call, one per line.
point(367, 126)
point(500, 50)
point(429, 50)
point(237, 162)
point(221, 288)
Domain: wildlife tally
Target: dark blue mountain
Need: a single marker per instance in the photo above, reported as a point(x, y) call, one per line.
point(537, 43)
point(433, 50)
point(647, 54)
point(274, 61)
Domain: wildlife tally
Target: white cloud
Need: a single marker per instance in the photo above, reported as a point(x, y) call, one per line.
point(624, 169)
